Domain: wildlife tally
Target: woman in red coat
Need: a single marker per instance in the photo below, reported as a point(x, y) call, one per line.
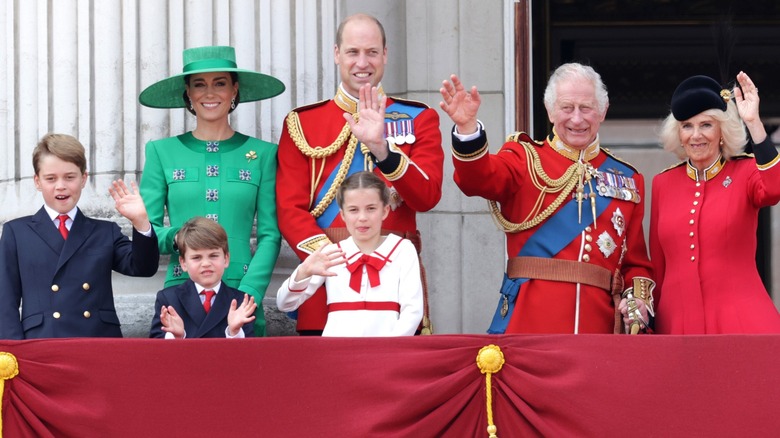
point(705, 211)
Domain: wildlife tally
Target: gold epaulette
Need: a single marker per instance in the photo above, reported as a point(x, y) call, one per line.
point(410, 102)
point(742, 156)
point(522, 137)
point(673, 166)
point(615, 157)
point(310, 106)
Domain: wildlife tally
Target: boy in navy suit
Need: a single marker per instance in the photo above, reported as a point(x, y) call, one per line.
point(207, 307)
point(58, 262)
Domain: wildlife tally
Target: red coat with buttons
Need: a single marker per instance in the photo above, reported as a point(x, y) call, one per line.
point(417, 182)
point(549, 306)
point(703, 247)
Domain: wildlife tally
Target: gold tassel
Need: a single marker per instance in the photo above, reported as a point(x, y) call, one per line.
point(580, 189)
point(490, 359)
point(9, 368)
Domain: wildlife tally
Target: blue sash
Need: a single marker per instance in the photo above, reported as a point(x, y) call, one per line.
point(326, 218)
point(548, 240)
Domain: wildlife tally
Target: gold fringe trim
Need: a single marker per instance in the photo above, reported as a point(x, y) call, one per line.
point(769, 164)
point(470, 156)
point(296, 134)
point(563, 185)
point(319, 152)
point(490, 359)
point(349, 154)
point(9, 368)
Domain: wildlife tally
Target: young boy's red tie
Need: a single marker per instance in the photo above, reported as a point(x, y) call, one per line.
point(207, 302)
point(63, 228)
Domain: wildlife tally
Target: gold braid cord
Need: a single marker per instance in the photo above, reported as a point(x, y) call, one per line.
point(319, 152)
point(563, 185)
point(490, 359)
point(9, 368)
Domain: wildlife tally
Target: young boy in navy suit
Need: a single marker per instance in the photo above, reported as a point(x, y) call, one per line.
point(203, 306)
point(58, 262)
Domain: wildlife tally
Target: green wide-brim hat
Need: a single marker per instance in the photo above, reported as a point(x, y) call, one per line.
point(168, 93)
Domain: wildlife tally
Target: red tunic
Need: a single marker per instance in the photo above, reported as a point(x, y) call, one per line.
point(545, 306)
point(703, 247)
point(417, 178)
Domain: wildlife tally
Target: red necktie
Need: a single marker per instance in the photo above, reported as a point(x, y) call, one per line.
point(207, 302)
point(63, 228)
point(373, 266)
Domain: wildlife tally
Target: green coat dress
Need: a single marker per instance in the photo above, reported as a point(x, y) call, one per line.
point(230, 182)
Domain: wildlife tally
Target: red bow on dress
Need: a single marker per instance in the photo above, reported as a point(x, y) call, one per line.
point(373, 266)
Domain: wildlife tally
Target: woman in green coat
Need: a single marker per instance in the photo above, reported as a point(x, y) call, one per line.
point(214, 171)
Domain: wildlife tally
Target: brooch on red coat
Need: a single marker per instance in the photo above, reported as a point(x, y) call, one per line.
point(727, 181)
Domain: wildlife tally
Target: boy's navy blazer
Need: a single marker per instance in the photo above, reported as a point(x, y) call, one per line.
point(197, 323)
point(64, 286)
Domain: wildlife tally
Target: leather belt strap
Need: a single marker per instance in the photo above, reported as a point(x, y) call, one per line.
point(568, 271)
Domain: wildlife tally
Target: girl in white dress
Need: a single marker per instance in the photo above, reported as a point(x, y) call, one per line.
point(372, 281)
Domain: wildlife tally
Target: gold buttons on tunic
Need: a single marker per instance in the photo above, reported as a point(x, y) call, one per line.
point(693, 211)
point(692, 246)
point(87, 314)
point(588, 238)
point(691, 234)
point(587, 229)
point(693, 258)
point(690, 221)
point(698, 184)
point(56, 315)
point(695, 202)
point(54, 288)
point(588, 247)
point(697, 194)
point(85, 286)
point(586, 258)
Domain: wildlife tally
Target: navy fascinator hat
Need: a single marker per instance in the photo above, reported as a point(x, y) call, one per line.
point(697, 94)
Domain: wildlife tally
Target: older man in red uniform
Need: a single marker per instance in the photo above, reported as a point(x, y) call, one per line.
point(572, 213)
point(323, 143)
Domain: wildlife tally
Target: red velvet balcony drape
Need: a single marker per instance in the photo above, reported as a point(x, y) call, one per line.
point(425, 386)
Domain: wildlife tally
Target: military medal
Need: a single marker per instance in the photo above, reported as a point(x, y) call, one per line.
point(504, 306)
point(390, 131)
point(606, 244)
point(395, 199)
point(400, 131)
point(408, 130)
point(400, 138)
point(612, 185)
point(619, 222)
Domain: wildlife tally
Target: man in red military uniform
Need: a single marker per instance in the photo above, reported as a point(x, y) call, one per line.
point(322, 143)
point(572, 213)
